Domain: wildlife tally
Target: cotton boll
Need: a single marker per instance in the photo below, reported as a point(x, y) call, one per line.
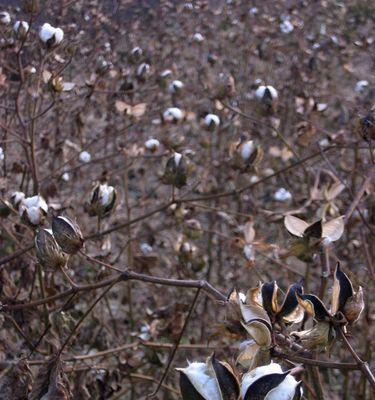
point(5, 18)
point(284, 391)
point(247, 149)
point(177, 158)
point(211, 121)
point(106, 193)
point(16, 198)
point(35, 201)
point(286, 26)
point(248, 251)
point(198, 37)
point(65, 176)
point(21, 28)
point(282, 195)
point(46, 32)
point(175, 86)
point(152, 145)
point(145, 248)
point(173, 114)
point(2, 155)
point(202, 380)
point(360, 86)
point(242, 297)
point(85, 156)
point(250, 377)
point(266, 91)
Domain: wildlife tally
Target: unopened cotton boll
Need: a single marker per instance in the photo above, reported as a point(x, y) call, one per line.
point(5, 18)
point(85, 156)
point(21, 28)
point(282, 195)
point(211, 121)
point(152, 145)
point(173, 114)
point(175, 86)
point(50, 35)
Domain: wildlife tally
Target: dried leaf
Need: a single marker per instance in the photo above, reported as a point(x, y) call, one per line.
point(15, 382)
point(334, 191)
point(51, 382)
point(249, 232)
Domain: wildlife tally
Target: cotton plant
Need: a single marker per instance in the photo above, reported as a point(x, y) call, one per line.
point(217, 380)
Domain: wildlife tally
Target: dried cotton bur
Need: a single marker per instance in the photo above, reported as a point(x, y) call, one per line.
point(311, 235)
point(346, 308)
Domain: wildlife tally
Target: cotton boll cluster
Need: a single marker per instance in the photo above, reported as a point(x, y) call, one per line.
point(50, 35)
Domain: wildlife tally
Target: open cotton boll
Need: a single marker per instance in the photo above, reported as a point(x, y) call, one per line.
point(33, 215)
point(175, 86)
point(49, 34)
point(286, 26)
point(105, 194)
point(145, 248)
point(173, 114)
point(16, 198)
point(205, 384)
point(177, 158)
point(247, 149)
point(282, 195)
point(21, 27)
point(360, 86)
point(285, 391)
point(211, 120)
point(198, 37)
point(85, 156)
point(2, 156)
point(5, 18)
point(262, 91)
point(152, 144)
point(35, 201)
point(250, 377)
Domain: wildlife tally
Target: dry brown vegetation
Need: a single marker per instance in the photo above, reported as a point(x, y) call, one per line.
point(166, 250)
